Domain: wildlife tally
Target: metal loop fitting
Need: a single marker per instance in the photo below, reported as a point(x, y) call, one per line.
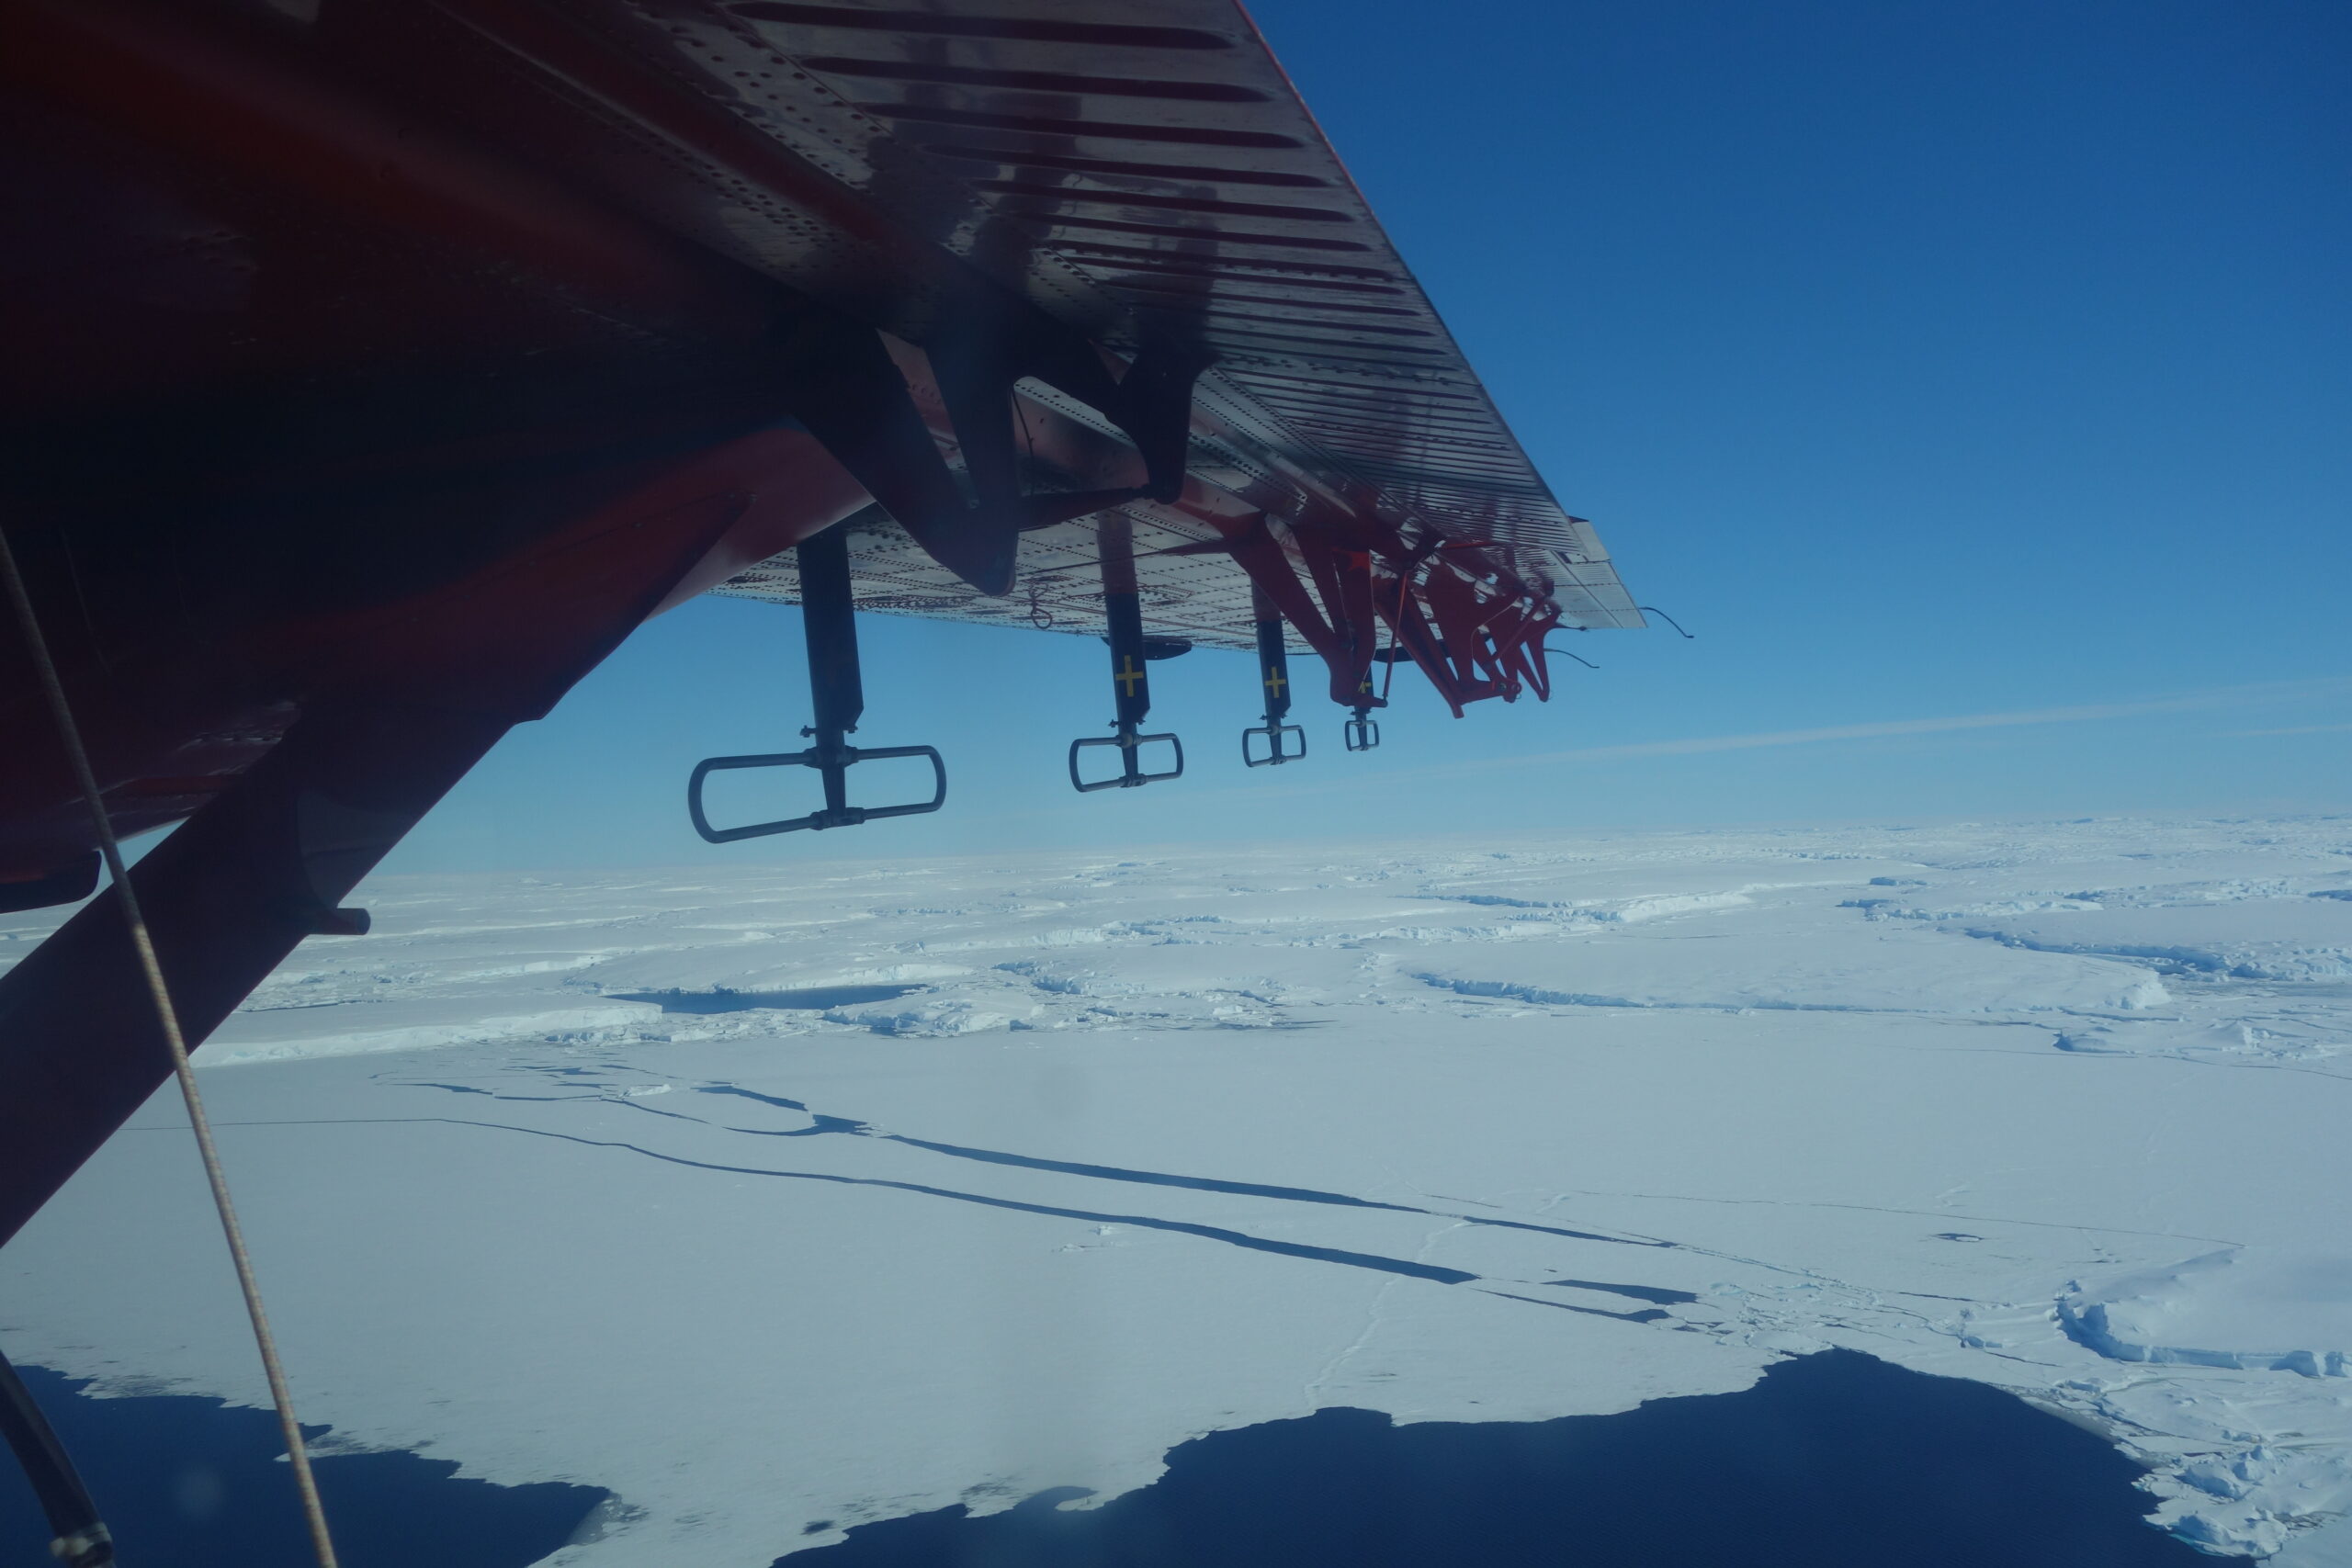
point(832, 762)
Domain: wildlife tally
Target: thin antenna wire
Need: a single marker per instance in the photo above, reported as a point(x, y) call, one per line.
point(70, 733)
point(1662, 615)
point(1580, 657)
point(1396, 639)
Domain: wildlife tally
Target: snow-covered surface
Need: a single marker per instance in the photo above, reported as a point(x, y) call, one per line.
point(1194, 1139)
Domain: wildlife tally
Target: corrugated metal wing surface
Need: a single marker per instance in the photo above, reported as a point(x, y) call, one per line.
point(1131, 170)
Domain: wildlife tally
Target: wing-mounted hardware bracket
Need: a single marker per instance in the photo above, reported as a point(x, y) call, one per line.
point(1466, 620)
point(1471, 628)
point(1343, 630)
point(1343, 580)
point(836, 692)
point(1391, 599)
point(1523, 649)
point(838, 380)
point(1130, 680)
point(1283, 742)
point(1475, 630)
point(1424, 601)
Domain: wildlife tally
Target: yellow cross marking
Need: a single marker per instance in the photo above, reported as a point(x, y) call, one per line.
point(1128, 675)
point(1275, 681)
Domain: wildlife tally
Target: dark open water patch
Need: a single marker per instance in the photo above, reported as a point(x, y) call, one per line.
point(190, 1483)
point(811, 998)
point(1832, 1461)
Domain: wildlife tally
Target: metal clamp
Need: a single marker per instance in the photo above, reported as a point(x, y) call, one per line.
point(1363, 734)
point(1278, 749)
point(1131, 772)
point(834, 763)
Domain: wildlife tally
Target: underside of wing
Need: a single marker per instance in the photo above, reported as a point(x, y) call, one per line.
point(1153, 185)
point(377, 366)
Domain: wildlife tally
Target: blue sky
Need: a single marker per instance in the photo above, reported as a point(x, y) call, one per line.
point(1973, 381)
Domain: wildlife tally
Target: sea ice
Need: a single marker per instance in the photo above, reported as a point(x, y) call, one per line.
point(2289, 937)
point(1199, 1138)
point(2268, 1309)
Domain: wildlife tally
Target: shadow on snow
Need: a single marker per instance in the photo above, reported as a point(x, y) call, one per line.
point(809, 998)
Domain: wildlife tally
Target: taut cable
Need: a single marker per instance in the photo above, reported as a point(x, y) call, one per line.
point(69, 733)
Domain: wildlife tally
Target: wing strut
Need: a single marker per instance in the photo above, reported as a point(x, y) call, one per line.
point(81, 1539)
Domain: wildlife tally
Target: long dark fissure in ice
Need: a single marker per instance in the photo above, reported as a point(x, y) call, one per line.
point(1143, 1178)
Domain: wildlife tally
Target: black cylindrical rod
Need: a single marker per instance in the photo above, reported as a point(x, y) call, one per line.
point(1274, 657)
point(1123, 609)
point(829, 620)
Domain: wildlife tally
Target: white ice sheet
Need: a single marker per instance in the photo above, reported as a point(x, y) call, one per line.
point(1188, 1141)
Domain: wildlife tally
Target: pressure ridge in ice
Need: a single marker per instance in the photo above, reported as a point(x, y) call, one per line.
point(1083, 1157)
point(2268, 1309)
